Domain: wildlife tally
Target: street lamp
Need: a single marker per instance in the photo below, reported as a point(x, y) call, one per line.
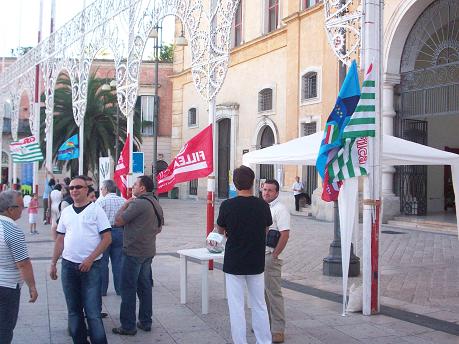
point(181, 41)
point(156, 34)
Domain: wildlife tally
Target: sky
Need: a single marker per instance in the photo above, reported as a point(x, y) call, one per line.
point(19, 20)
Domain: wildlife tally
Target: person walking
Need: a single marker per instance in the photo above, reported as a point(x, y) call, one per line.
point(49, 185)
point(245, 220)
point(142, 218)
point(83, 234)
point(279, 232)
point(55, 198)
point(110, 202)
point(33, 213)
point(15, 265)
point(297, 188)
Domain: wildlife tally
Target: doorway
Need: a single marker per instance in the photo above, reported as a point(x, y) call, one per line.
point(266, 140)
point(223, 157)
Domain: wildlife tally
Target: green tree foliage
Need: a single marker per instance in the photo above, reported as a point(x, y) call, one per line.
point(166, 53)
point(99, 124)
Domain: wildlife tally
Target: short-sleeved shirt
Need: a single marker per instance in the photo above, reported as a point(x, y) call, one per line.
point(82, 231)
point(13, 249)
point(141, 226)
point(111, 203)
point(297, 186)
point(33, 206)
point(245, 220)
point(47, 189)
point(281, 218)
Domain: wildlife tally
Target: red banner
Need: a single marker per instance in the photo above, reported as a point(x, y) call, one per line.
point(330, 191)
point(122, 169)
point(195, 160)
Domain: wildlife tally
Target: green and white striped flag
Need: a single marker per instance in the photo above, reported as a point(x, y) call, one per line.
point(26, 150)
point(352, 157)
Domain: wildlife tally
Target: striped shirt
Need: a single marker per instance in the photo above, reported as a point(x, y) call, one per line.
point(13, 249)
point(111, 203)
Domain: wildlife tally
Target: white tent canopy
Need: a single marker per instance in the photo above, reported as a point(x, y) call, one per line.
point(396, 151)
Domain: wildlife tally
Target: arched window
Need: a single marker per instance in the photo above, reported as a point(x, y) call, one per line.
point(192, 117)
point(265, 100)
point(309, 86)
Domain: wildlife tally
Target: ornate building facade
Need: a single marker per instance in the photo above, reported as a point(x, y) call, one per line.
point(282, 84)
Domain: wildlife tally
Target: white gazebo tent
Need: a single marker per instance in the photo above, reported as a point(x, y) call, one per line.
point(396, 151)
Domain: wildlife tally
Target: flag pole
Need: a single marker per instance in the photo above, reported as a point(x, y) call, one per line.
point(81, 126)
point(211, 179)
point(49, 134)
point(37, 103)
point(372, 183)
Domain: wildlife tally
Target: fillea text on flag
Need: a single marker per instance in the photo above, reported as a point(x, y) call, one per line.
point(195, 160)
point(352, 157)
point(26, 150)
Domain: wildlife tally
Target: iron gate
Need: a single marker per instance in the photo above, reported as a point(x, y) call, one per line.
point(413, 179)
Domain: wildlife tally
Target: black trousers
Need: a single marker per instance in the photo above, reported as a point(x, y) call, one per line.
point(9, 309)
point(297, 201)
point(45, 209)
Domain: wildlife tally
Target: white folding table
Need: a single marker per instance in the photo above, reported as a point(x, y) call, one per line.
point(203, 255)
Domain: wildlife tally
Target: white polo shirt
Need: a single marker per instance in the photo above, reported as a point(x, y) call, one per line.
point(281, 218)
point(82, 231)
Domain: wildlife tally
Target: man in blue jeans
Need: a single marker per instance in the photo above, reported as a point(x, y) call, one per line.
point(110, 202)
point(83, 235)
point(142, 218)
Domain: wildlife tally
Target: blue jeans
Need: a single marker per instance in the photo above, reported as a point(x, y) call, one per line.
point(115, 253)
point(9, 309)
point(136, 276)
point(82, 291)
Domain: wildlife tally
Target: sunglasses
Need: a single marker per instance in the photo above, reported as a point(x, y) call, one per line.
point(76, 187)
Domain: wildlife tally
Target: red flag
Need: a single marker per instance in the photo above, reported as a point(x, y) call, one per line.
point(330, 191)
point(195, 160)
point(122, 169)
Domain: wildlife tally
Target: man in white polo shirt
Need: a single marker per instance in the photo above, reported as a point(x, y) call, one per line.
point(83, 235)
point(273, 264)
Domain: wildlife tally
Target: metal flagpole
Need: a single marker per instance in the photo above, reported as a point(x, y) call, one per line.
point(212, 113)
point(211, 179)
point(49, 134)
point(81, 128)
point(372, 183)
point(37, 103)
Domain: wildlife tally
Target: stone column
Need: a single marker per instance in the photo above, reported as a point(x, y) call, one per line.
point(391, 203)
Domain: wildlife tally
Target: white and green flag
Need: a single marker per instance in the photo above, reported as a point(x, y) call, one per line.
point(352, 158)
point(26, 150)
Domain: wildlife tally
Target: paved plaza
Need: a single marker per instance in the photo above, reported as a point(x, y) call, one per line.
point(420, 289)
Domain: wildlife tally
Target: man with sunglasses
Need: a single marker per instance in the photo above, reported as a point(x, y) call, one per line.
point(15, 265)
point(83, 235)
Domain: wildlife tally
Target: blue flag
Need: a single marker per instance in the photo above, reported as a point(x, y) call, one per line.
point(345, 105)
point(69, 149)
point(332, 142)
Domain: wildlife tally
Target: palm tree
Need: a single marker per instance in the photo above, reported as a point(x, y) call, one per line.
point(99, 124)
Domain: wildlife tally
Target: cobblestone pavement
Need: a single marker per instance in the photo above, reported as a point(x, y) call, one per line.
point(420, 293)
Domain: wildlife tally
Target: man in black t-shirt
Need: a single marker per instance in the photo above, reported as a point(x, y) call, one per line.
point(245, 219)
